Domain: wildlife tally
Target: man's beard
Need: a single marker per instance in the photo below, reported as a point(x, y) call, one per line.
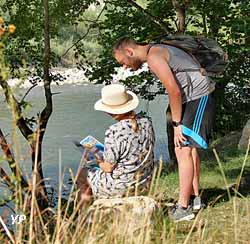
point(136, 63)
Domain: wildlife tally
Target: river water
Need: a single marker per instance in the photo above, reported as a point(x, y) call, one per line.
point(73, 118)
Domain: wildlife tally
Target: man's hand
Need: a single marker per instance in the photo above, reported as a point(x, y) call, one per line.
point(178, 136)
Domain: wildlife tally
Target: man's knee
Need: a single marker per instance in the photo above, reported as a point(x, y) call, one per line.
point(184, 151)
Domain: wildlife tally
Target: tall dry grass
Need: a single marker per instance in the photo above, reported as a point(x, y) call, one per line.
point(70, 223)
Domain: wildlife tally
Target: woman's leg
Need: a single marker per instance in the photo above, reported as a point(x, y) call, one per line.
point(84, 189)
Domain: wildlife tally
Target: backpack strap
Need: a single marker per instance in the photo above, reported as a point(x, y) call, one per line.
point(150, 45)
point(201, 70)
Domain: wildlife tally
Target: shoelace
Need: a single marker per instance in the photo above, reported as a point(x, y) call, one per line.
point(174, 208)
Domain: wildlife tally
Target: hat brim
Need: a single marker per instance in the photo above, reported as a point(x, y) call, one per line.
point(120, 109)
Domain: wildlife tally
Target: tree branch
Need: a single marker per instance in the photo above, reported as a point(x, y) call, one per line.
point(155, 19)
point(176, 23)
point(27, 92)
point(89, 20)
point(204, 21)
point(188, 21)
point(19, 119)
point(5, 178)
point(11, 161)
point(87, 32)
point(82, 8)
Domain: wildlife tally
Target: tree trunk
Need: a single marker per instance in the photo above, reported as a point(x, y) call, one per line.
point(41, 192)
point(181, 14)
point(36, 145)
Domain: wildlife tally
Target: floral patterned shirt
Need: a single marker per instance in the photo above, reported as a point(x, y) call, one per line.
point(133, 156)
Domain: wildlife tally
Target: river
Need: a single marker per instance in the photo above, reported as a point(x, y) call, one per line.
point(73, 118)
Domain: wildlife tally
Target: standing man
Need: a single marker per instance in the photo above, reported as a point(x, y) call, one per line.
point(192, 108)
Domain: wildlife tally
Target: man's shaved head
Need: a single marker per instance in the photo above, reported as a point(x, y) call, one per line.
point(122, 43)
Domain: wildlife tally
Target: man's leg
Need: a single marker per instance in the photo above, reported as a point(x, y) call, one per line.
point(196, 162)
point(186, 174)
point(85, 192)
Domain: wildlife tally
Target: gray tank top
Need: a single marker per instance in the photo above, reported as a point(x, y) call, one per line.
point(192, 83)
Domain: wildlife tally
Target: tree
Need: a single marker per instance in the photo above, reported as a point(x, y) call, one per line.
point(28, 52)
point(33, 137)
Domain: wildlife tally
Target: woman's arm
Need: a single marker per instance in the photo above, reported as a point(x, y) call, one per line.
point(111, 152)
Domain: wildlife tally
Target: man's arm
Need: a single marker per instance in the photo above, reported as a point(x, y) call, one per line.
point(159, 66)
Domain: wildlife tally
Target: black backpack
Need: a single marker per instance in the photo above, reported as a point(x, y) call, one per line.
point(206, 52)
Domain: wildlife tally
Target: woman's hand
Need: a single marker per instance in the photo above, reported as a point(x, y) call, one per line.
point(178, 136)
point(88, 145)
point(105, 166)
point(98, 160)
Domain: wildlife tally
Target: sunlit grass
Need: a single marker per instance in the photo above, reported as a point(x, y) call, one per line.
point(224, 220)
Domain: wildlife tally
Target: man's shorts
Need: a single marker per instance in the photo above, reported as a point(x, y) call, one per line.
point(197, 121)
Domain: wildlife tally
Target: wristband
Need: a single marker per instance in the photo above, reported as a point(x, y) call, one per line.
point(175, 123)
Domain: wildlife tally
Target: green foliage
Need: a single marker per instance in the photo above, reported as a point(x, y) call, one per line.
point(233, 110)
point(226, 21)
point(28, 49)
point(27, 42)
point(88, 49)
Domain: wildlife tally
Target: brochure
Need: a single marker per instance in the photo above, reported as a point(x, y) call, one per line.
point(92, 149)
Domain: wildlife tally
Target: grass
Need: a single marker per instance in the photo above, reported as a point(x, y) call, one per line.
point(224, 220)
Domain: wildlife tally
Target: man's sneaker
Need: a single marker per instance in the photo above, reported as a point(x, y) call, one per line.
point(180, 214)
point(197, 204)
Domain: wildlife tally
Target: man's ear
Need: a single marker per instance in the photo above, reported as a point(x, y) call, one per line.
point(129, 51)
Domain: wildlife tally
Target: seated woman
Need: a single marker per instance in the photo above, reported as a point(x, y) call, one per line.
point(128, 159)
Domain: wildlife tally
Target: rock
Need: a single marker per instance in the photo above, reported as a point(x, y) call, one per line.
point(132, 213)
point(244, 140)
point(230, 140)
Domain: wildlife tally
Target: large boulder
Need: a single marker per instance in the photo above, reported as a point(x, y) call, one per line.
point(132, 213)
point(244, 140)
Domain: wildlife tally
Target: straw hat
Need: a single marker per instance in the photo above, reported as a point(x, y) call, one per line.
point(116, 100)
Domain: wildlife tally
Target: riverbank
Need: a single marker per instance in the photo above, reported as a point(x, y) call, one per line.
point(225, 219)
point(71, 76)
point(74, 76)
